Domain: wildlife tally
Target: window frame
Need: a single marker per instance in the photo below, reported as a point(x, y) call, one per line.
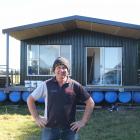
point(27, 59)
point(90, 84)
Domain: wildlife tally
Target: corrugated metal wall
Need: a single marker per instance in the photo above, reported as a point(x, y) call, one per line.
point(130, 62)
point(80, 39)
point(138, 63)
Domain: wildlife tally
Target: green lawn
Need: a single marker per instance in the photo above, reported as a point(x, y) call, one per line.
point(17, 124)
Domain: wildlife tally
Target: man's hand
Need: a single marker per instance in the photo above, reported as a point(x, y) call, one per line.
point(76, 126)
point(41, 121)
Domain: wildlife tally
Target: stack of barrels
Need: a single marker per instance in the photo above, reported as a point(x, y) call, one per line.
point(114, 96)
point(16, 96)
point(99, 97)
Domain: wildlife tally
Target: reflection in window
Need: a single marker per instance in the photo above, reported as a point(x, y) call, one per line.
point(104, 66)
point(48, 53)
point(33, 51)
point(33, 67)
point(41, 57)
point(33, 57)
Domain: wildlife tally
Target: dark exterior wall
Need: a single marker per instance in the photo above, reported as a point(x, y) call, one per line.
point(80, 39)
point(138, 63)
point(130, 62)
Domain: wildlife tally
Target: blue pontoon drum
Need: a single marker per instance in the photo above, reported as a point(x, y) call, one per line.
point(136, 96)
point(124, 97)
point(3, 96)
point(15, 96)
point(97, 96)
point(111, 96)
point(25, 95)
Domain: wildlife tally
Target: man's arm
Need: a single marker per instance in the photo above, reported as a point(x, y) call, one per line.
point(87, 113)
point(40, 121)
point(88, 110)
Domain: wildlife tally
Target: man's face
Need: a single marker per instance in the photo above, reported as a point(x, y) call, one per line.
point(61, 71)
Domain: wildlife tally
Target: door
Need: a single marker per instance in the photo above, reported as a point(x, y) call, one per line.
point(104, 66)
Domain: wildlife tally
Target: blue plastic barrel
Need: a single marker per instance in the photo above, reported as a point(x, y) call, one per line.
point(41, 100)
point(136, 96)
point(3, 96)
point(111, 96)
point(97, 96)
point(25, 95)
point(124, 97)
point(14, 96)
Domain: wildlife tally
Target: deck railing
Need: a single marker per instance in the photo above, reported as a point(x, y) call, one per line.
point(14, 76)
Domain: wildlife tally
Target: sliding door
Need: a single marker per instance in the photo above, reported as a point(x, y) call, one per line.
point(104, 66)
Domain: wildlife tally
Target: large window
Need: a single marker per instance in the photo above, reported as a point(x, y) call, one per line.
point(104, 66)
point(40, 58)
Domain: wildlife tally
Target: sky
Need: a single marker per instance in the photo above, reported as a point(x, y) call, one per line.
point(21, 12)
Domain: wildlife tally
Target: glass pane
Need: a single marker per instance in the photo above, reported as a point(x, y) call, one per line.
point(112, 67)
point(32, 57)
point(33, 67)
point(112, 77)
point(48, 53)
point(93, 66)
point(65, 51)
point(33, 52)
point(112, 58)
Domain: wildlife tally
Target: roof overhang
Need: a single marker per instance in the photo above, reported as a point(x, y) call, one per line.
point(74, 22)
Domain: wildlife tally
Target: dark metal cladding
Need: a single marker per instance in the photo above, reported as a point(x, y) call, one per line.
point(80, 39)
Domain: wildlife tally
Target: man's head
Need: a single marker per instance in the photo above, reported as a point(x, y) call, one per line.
point(61, 61)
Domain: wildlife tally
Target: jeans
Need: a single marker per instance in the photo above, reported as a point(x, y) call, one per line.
point(58, 133)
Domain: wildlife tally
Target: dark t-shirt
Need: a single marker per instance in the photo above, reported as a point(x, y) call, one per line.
point(62, 102)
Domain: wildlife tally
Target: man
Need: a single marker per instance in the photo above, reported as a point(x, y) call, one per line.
point(61, 95)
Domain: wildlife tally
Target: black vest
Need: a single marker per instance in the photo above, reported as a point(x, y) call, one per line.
point(62, 101)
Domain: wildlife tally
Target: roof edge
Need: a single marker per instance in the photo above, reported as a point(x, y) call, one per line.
point(69, 18)
point(39, 24)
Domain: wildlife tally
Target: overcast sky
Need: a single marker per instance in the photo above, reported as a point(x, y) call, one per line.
point(21, 12)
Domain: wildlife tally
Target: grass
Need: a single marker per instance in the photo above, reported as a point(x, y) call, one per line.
point(118, 125)
point(17, 124)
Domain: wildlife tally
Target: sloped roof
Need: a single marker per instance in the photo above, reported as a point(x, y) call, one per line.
point(74, 22)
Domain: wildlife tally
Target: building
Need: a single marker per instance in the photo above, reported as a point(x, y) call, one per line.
point(104, 55)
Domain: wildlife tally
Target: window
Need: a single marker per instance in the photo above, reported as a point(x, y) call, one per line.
point(33, 59)
point(104, 66)
point(40, 58)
